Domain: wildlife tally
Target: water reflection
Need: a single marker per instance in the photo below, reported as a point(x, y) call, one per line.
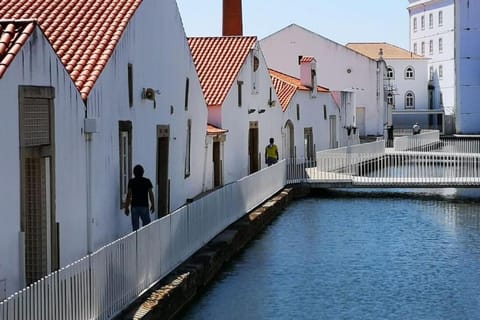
point(358, 254)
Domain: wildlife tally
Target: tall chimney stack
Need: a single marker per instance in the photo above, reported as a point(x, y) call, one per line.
point(232, 18)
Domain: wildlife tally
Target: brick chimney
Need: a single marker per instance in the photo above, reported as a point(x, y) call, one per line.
point(232, 18)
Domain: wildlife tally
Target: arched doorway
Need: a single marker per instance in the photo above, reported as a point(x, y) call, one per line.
point(289, 140)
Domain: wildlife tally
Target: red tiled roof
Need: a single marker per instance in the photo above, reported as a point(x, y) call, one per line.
point(390, 51)
point(213, 130)
point(83, 33)
point(286, 86)
point(218, 61)
point(13, 35)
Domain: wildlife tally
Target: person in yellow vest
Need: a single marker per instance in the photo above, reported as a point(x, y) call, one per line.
point(271, 153)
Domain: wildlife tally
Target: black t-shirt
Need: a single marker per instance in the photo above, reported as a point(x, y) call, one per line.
point(140, 187)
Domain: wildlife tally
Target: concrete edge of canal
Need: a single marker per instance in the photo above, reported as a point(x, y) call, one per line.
point(170, 295)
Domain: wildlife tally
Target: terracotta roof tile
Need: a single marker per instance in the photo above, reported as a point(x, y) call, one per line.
point(13, 35)
point(390, 51)
point(307, 59)
point(76, 29)
point(218, 61)
point(286, 86)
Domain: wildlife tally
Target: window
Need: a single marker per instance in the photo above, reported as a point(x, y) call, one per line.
point(390, 73)
point(430, 74)
point(255, 73)
point(298, 111)
point(409, 73)
point(188, 148)
point(130, 85)
point(440, 18)
point(391, 99)
point(440, 45)
point(125, 155)
point(422, 49)
point(409, 100)
point(239, 85)
point(440, 72)
point(324, 112)
point(415, 24)
point(430, 47)
point(430, 20)
point(422, 23)
point(441, 99)
point(187, 88)
point(415, 48)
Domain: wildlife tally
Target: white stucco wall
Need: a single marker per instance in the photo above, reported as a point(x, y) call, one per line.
point(468, 66)
point(311, 116)
point(444, 86)
point(418, 85)
point(236, 119)
point(338, 68)
point(161, 61)
point(37, 65)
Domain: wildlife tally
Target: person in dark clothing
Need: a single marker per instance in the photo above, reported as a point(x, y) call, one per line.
point(140, 190)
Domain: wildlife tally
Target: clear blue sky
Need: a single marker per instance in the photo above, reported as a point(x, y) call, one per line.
point(342, 21)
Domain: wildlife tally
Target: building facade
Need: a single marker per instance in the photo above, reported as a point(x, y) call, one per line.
point(406, 85)
point(338, 68)
point(447, 32)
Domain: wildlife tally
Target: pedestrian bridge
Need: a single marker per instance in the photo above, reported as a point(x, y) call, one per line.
point(419, 161)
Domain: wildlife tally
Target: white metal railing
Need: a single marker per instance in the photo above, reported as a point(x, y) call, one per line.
point(390, 169)
point(102, 284)
point(415, 142)
point(431, 141)
point(347, 154)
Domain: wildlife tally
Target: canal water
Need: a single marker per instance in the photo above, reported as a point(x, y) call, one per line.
point(360, 254)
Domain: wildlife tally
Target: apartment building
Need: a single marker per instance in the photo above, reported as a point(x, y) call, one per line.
point(446, 32)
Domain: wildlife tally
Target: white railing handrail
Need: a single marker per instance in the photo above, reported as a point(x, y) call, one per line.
point(412, 142)
point(102, 284)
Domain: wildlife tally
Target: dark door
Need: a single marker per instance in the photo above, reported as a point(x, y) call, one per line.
point(253, 147)
point(163, 183)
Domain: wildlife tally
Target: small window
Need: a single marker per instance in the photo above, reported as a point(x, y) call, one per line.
point(440, 72)
point(130, 85)
point(440, 18)
point(391, 99)
point(409, 73)
point(187, 89)
point(324, 112)
point(422, 23)
point(415, 48)
point(430, 74)
point(415, 24)
point(298, 111)
point(441, 99)
point(125, 155)
point(440, 45)
point(430, 20)
point(188, 148)
point(430, 47)
point(390, 73)
point(409, 100)
point(239, 85)
point(422, 48)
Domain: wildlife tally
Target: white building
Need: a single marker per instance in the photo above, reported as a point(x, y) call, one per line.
point(240, 99)
point(80, 106)
point(338, 68)
point(406, 86)
point(447, 32)
point(313, 120)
